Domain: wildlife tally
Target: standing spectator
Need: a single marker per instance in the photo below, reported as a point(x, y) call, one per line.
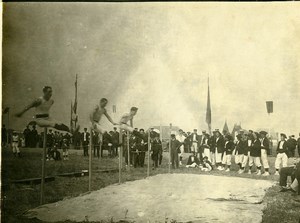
point(188, 143)
point(255, 154)
point(3, 136)
point(282, 150)
point(135, 144)
point(291, 144)
point(26, 134)
point(180, 137)
point(144, 147)
point(15, 144)
point(248, 140)
point(85, 139)
point(33, 137)
point(212, 148)
point(96, 144)
point(205, 147)
point(65, 148)
point(240, 148)
point(125, 148)
point(175, 149)
point(265, 146)
point(228, 150)
point(219, 144)
point(156, 148)
point(115, 141)
point(195, 143)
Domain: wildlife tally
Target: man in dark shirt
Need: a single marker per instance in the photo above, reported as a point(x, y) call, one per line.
point(85, 140)
point(115, 141)
point(175, 149)
point(26, 134)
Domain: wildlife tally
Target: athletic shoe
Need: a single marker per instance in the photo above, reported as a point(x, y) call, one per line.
point(249, 172)
point(180, 163)
point(218, 168)
point(227, 170)
point(258, 173)
point(266, 174)
point(222, 168)
point(276, 173)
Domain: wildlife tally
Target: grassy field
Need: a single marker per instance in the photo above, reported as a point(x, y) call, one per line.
point(16, 199)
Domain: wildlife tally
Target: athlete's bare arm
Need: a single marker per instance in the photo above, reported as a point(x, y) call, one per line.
point(33, 104)
point(92, 114)
point(109, 118)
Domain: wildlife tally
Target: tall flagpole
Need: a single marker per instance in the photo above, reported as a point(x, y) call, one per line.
point(208, 109)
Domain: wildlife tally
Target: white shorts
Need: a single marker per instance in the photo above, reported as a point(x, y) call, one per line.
point(98, 128)
point(218, 157)
point(281, 158)
point(126, 127)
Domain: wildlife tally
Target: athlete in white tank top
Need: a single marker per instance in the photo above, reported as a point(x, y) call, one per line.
point(42, 107)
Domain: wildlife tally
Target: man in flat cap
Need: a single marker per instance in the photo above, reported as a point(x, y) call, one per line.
point(281, 157)
point(265, 144)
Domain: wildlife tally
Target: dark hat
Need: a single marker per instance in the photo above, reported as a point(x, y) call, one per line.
point(180, 130)
point(250, 131)
point(142, 130)
point(203, 131)
point(195, 129)
point(172, 135)
point(115, 128)
point(205, 157)
point(263, 132)
point(282, 134)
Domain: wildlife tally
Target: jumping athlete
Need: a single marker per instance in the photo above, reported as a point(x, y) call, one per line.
point(128, 117)
point(42, 107)
point(96, 116)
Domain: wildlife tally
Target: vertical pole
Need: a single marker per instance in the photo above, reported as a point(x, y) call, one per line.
point(149, 147)
point(128, 150)
point(161, 133)
point(90, 161)
point(42, 198)
point(170, 148)
point(7, 132)
point(120, 155)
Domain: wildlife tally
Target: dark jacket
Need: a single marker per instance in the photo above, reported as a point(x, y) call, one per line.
point(219, 144)
point(284, 147)
point(255, 149)
point(229, 147)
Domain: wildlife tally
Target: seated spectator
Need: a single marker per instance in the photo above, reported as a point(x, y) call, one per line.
point(193, 161)
point(293, 172)
point(206, 165)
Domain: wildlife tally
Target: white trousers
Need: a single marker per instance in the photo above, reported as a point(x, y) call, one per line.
point(264, 158)
point(15, 147)
point(181, 150)
point(218, 157)
point(207, 153)
point(281, 158)
point(213, 158)
point(226, 159)
point(255, 160)
point(194, 147)
point(245, 160)
point(239, 158)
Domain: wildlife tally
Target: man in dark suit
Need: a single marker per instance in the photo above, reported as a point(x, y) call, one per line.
point(144, 147)
point(26, 134)
point(291, 144)
point(85, 140)
point(33, 137)
point(115, 141)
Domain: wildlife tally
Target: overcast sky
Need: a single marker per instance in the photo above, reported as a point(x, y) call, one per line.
point(157, 56)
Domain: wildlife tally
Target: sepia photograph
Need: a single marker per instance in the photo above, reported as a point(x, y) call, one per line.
point(150, 112)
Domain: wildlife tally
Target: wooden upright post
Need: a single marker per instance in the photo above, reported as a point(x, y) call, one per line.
point(42, 198)
point(170, 148)
point(90, 161)
point(128, 149)
point(120, 155)
point(149, 148)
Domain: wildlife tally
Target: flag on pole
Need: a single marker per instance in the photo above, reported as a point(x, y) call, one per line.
point(75, 103)
point(208, 110)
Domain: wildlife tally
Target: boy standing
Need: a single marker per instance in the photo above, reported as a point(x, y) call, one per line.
point(15, 144)
point(281, 157)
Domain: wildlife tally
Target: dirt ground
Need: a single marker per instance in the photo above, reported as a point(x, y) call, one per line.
point(163, 198)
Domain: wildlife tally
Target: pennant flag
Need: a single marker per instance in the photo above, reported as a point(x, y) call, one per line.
point(225, 128)
point(269, 106)
point(208, 110)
